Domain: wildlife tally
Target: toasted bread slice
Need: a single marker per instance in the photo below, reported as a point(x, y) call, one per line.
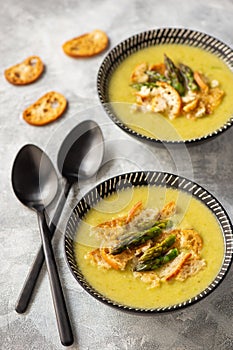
point(171, 270)
point(162, 98)
point(158, 67)
point(148, 277)
point(117, 262)
point(46, 109)
point(96, 258)
point(139, 73)
point(190, 268)
point(122, 220)
point(168, 210)
point(172, 98)
point(25, 72)
point(86, 45)
point(191, 240)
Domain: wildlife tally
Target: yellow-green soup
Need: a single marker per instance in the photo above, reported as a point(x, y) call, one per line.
point(156, 125)
point(122, 286)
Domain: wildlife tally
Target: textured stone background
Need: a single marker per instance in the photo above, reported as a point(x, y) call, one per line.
point(40, 27)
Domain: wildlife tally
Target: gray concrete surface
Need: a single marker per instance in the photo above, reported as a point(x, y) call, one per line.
point(40, 27)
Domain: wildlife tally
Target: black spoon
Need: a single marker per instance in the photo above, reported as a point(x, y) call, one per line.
point(35, 183)
point(79, 157)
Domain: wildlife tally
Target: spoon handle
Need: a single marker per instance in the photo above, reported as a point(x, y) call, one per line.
point(30, 281)
point(63, 321)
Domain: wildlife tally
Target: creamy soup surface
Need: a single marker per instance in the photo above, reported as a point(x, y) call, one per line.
point(122, 286)
point(155, 125)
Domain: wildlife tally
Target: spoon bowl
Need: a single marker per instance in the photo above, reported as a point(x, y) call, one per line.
point(34, 178)
point(81, 153)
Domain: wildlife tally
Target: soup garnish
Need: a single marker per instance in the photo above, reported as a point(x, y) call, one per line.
point(174, 90)
point(147, 243)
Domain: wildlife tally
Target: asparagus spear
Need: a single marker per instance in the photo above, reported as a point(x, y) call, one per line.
point(164, 223)
point(145, 226)
point(134, 239)
point(159, 249)
point(174, 75)
point(187, 73)
point(157, 262)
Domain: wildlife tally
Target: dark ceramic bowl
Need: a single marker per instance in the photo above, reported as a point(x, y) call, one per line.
point(152, 38)
point(137, 179)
